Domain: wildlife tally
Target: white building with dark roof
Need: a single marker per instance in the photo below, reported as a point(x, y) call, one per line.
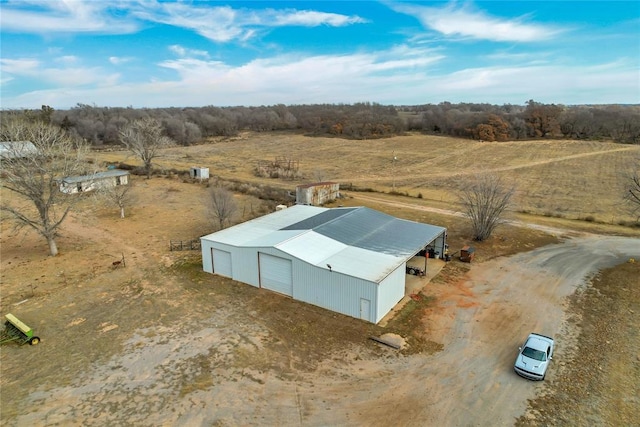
point(349, 260)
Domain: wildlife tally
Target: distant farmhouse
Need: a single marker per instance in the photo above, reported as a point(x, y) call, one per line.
point(349, 260)
point(84, 183)
point(17, 149)
point(317, 194)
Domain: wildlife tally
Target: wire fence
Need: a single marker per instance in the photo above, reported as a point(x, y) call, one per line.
point(184, 245)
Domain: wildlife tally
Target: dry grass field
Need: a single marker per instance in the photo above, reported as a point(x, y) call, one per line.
point(159, 342)
point(559, 178)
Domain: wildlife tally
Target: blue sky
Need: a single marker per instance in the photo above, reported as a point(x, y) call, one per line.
point(153, 53)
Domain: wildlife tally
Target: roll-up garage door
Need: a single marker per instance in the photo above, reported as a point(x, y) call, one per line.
point(276, 274)
point(221, 262)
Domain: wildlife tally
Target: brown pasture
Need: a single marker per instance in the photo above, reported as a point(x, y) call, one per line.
point(557, 178)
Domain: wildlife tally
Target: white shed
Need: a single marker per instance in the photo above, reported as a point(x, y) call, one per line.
point(197, 172)
point(348, 260)
point(17, 149)
point(84, 183)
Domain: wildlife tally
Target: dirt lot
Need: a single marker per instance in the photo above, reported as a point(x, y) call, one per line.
point(159, 342)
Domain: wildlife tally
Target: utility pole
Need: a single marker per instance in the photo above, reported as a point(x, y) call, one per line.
point(393, 172)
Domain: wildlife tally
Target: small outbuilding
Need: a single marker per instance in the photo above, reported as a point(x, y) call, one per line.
point(349, 260)
point(84, 183)
point(200, 173)
point(317, 194)
point(467, 253)
point(17, 149)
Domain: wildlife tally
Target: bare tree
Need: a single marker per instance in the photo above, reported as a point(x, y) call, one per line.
point(484, 200)
point(632, 190)
point(119, 195)
point(222, 206)
point(144, 138)
point(32, 168)
point(319, 175)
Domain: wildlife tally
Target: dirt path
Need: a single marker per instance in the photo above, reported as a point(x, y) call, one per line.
point(499, 169)
point(546, 229)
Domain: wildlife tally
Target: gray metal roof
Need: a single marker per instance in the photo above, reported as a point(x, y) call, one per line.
point(95, 176)
point(319, 219)
point(267, 230)
point(359, 242)
point(369, 229)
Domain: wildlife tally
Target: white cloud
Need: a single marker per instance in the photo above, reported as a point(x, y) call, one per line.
point(64, 77)
point(183, 51)
point(464, 21)
point(224, 23)
point(532, 56)
point(5, 80)
point(64, 16)
point(217, 23)
point(568, 84)
point(70, 77)
point(402, 75)
point(119, 60)
point(308, 18)
point(285, 72)
point(19, 66)
point(67, 59)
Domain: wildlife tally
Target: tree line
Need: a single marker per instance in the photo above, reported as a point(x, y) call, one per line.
point(487, 122)
point(620, 123)
point(37, 153)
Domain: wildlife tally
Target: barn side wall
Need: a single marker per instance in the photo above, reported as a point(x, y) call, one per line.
point(390, 291)
point(334, 291)
point(314, 285)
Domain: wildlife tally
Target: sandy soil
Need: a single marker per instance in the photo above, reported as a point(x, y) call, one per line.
point(158, 343)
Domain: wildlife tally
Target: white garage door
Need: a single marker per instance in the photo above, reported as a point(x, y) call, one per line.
point(221, 262)
point(276, 274)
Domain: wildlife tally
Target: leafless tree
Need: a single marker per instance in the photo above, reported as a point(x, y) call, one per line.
point(484, 200)
point(632, 190)
point(144, 138)
point(222, 206)
point(32, 172)
point(119, 195)
point(319, 175)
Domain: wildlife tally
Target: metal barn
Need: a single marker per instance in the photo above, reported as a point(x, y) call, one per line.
point(348, 260)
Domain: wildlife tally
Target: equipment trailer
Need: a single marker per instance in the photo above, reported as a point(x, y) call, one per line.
point(16, 330)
